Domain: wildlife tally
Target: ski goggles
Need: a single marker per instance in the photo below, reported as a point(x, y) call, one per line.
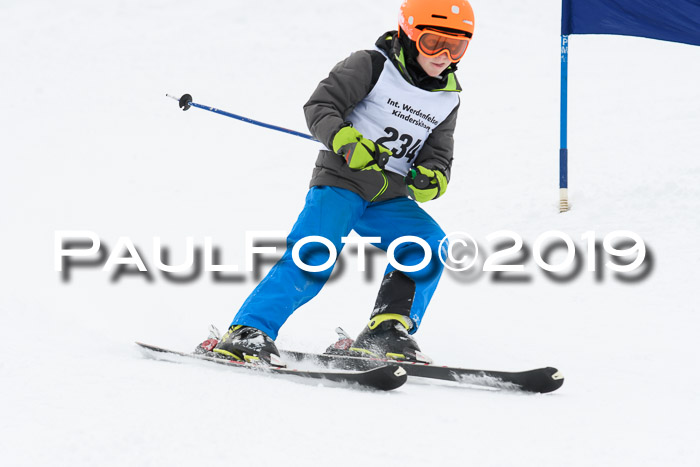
point(432, 43)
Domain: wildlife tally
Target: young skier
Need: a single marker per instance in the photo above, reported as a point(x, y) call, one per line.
point(386, 118)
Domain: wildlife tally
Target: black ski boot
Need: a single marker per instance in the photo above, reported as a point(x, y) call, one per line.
point(249, 345)
point(386, 336)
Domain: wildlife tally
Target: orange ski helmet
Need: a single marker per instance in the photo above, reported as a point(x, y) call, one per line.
point(454, 16)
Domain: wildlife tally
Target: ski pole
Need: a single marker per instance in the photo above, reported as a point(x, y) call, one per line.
point(185, 102)
point(414, 178)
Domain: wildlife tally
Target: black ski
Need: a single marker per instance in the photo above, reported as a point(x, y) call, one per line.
point(385, 376)
point(541, 380)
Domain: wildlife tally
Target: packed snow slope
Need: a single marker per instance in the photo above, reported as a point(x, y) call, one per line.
point(90, 142)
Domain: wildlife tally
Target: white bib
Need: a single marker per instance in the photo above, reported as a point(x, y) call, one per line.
point(401, 116)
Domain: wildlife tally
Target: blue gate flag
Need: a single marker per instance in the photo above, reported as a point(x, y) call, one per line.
point(667, 20)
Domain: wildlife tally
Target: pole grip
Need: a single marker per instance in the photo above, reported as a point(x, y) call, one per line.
point(417, 179)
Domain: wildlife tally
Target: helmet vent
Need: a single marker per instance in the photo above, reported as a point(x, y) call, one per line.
point(440, 16)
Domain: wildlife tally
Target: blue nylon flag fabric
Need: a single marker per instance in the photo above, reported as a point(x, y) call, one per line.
point(667, 20)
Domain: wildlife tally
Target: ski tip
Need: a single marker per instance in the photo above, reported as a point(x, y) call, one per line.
point(386, 377)
point(544, 380)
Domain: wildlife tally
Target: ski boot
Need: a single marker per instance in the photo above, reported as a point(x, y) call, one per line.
point(386, 336)
point(248, 345)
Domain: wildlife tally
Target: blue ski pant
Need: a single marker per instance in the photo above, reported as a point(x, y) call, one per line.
point(332, 213)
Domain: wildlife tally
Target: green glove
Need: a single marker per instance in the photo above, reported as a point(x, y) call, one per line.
point(359, 152)
point(436, 186)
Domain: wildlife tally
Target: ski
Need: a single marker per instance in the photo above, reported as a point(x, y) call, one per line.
point(541, 380)
point(384, 377)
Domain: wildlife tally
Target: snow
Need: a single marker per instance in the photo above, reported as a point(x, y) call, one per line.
point(90, 142)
